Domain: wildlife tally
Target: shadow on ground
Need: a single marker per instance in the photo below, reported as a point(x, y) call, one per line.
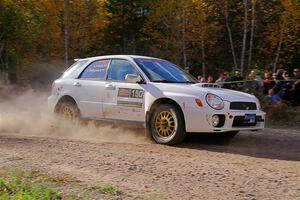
point(279, 144)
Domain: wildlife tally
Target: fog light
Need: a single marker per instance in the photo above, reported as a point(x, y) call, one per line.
point(215, 120)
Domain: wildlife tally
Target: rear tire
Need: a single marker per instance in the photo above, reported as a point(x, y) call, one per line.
point(69, 111)
point(167, 125)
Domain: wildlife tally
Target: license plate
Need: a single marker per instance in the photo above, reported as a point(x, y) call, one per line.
point(250, 118)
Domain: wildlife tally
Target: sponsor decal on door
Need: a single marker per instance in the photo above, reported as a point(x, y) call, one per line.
point(131, 93)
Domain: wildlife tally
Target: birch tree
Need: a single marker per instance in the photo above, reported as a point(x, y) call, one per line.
point(230, 34)
point(245, 2)
point(251, 32)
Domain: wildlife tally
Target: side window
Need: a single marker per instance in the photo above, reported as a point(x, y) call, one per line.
point(119, 69)
point(72, 71)
point(96, 70)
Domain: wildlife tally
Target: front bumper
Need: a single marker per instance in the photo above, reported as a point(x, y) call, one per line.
point(201, 121)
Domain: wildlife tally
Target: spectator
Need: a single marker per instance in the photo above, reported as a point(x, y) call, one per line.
point(199, 77)
point(254, 84)
point(272, 97)
point(253, 75)
point(203, 80)
point(237, 77)
point(268, 83)
point(277, 88)
point(285, 76)
point(296, 73)
point(278, 84)
point(222, 77)
point(210, 79)
point(287, 84)
point(292, 96)
point(296, 91)
point(279, 73)
point(226, 79)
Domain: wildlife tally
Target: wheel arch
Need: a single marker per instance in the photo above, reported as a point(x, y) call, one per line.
point(161, 101)
point(65, 98)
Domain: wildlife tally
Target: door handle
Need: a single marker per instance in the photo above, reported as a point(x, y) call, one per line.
point(110, 86)
point(77, 84)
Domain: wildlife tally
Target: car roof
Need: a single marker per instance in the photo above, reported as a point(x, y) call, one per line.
point(115, 56)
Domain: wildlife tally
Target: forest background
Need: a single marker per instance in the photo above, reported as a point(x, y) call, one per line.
point(40, 38)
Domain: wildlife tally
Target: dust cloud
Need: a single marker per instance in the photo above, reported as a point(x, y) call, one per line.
point(27, 114)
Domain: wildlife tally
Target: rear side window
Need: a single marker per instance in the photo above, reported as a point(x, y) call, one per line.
point(72, 71)
point(96, 70)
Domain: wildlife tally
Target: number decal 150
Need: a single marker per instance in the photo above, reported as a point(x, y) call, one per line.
point(131, 93)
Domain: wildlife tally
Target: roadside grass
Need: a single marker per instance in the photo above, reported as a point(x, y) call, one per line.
point(19, 185)
point(32, 185)
point(107, 189)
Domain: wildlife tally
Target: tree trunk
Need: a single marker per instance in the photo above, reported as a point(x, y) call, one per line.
point(245, 34)
point(1, 56)
point(203, 56)
point(230, 35)
point(203, 49)
point(278, 51)
point(2, 64)
point(66, 33)
point(184, 41)
point(251, 33)
point(6, 68)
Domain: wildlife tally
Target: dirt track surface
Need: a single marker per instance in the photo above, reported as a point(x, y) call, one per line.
point(254, 165)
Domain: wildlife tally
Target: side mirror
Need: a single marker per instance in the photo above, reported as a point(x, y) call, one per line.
point(132, 78)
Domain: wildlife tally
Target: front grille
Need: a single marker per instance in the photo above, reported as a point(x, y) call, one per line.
point(243, 106)
point(240, 121)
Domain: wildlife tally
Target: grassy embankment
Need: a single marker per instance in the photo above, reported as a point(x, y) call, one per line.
point(17, 184)
point(20, 185)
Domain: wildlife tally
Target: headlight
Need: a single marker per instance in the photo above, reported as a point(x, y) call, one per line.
point(214, 101)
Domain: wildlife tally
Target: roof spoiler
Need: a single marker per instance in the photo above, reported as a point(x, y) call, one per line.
point(77, 59)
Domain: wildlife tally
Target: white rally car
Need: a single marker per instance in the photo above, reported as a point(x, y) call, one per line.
point(154, 93)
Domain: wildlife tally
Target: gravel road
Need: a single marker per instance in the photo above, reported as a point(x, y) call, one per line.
point(254, 165)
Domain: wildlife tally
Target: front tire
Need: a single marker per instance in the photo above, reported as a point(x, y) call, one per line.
point(167, 125)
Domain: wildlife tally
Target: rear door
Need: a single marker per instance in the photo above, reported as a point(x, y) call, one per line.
point(89, 88)
point(123, 100)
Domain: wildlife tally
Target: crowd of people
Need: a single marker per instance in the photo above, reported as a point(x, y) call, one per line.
point(275, 88)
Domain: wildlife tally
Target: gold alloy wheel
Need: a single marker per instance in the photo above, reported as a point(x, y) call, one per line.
point(68, 113)
point(165, 124)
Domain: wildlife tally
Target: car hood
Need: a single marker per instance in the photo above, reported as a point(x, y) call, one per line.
point(198, 90)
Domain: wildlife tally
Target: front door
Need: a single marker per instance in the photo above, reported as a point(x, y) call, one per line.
point(123, 100)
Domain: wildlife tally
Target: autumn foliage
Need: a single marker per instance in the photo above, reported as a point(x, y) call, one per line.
point(202, 36)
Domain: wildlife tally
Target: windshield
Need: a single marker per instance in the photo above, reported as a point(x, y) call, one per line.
point(163, 71)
